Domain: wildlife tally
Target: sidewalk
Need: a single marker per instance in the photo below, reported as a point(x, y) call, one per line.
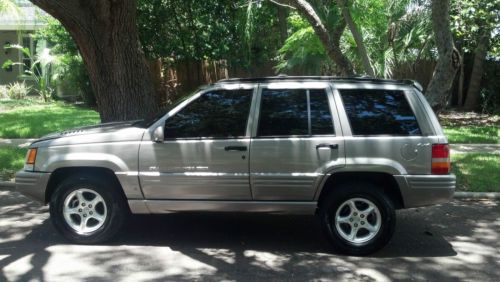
point(21, 143)
point(475, 148)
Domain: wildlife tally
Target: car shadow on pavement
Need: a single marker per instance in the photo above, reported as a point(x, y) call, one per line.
point(255, 245)
point(271, 233)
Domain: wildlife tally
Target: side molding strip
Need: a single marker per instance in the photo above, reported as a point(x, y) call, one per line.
point(170, 206)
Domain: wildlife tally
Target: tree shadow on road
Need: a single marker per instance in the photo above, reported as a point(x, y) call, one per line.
point(252, 246)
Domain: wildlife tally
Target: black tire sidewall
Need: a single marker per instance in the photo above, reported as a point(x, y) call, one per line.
point(365, 191)
point(114, 206)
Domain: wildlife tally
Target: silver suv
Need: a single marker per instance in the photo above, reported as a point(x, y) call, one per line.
point(351, 151)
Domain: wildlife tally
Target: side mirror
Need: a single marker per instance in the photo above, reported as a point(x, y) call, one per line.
point(158, 135)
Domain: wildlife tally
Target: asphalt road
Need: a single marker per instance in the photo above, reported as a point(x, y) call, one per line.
point(456, 241)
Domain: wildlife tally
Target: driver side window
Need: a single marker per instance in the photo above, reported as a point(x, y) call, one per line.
point(216, 114)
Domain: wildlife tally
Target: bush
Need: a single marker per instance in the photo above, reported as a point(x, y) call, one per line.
point(18, 90)
point(3, 92)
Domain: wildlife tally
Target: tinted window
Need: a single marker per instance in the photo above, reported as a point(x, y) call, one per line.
point(321, 118)
point(379, 112)
point(219, 114)
point(286, 112)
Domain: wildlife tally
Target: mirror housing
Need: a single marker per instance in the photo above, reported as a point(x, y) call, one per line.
point(158, 135)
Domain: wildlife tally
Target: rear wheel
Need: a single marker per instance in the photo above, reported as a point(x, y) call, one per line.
point(358, 218)
point(87, 209)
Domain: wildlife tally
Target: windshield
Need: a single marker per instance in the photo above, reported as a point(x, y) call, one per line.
point(149, 121)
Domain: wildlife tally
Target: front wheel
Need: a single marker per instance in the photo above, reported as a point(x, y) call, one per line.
point(358, 219)
point(87, 209)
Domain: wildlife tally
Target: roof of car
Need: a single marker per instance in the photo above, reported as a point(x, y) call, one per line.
point(355, 79)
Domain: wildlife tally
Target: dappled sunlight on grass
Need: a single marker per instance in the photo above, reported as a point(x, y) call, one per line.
point(473, 134)
point(11, 160)
point(33, 120)
point(477, 172)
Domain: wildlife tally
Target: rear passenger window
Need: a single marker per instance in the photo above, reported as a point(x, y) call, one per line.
point(294, 112)
point(379, 112)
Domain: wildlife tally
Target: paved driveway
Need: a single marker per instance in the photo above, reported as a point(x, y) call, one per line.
point(459, 240)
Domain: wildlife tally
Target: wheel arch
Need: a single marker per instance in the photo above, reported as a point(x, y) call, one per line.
point(60, 174)
point(385, 181)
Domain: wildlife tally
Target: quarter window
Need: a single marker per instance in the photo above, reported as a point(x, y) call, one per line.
point(379, 112)
point(216, 114)
point(294, 112)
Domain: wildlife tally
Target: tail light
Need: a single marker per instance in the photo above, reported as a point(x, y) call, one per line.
point(440, 159)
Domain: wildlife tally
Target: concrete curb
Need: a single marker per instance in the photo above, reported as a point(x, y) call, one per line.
point(7, 185)
point(476, 195)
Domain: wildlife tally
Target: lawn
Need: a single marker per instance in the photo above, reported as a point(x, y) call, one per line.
point(11, 160)
point(473, 134)
point(477, 172)
point(33, 118)
point(469, 127)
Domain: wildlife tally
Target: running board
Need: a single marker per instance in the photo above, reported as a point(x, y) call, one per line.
point(171, 206)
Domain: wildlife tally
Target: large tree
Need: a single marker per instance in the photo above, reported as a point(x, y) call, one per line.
point(449, 58)
point(105, 32)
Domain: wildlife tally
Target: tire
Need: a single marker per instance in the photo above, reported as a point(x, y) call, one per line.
point(340, 220)
point(72, 201)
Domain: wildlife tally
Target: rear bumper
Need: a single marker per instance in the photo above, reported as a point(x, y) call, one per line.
point(425, 190)
point(32, 184)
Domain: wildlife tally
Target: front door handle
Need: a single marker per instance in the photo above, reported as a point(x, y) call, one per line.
point(330, 146)
point(236, 148)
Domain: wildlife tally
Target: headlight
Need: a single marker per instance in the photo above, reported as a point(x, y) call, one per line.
point(30, 159)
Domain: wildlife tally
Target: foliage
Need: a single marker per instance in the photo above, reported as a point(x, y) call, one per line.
point(43, 71)
point(472, 19)
point(9, 7)
point(302, 51)
point(477, 172)
point(213, 30)
point(33, 118)
point(3, 92)
point(57, 37)
point(73, 76)
point(18, 90)
point(11, 160)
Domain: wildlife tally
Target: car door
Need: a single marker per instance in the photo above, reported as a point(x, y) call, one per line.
point(296, 140)
point(204, 154)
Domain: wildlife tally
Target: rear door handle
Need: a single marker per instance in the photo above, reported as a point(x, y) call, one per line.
point(236, 148)
point(330, 146)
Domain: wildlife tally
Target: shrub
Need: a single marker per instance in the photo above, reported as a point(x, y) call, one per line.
point(18, 90)
point(3, 92)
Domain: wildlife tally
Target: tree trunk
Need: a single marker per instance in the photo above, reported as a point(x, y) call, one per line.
point(449, 58)
point(472, 98)
point(461, 78)
point(333, 50)
point(106, 34)
point(360, 45)
point(282, 23)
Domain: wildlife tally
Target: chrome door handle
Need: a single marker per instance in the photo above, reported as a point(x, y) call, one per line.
point(330, 146)
point(235, 148)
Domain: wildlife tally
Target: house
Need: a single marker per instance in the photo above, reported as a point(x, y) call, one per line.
point(18, 29)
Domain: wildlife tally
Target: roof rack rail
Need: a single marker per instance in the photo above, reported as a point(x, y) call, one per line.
point(284, 77)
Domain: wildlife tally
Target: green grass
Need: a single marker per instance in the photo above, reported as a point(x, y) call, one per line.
point(33, 118)
point(11, 160)
point(473, 134)
point(477, 172)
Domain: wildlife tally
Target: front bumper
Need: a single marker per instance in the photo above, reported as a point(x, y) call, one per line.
point(426, 190)
point(32, 184)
